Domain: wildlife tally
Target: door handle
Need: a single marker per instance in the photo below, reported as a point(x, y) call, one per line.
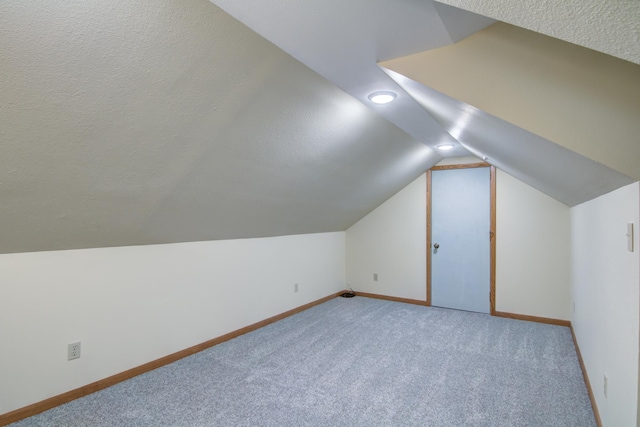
point(436, 246)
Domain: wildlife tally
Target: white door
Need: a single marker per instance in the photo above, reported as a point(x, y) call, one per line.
point(460, 239)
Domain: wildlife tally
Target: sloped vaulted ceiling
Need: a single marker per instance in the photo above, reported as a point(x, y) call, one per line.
point(581, 99)
point(551, 168)
point(131, 123)
point(128, 123)
point(344, 40)
point(341, 41)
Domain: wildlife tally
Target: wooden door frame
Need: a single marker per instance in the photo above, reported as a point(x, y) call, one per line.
point(492, 229)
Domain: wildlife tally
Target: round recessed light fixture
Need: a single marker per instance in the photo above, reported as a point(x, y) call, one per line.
point(382, 97)
point(445, 147)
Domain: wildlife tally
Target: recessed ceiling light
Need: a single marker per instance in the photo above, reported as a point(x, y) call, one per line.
point(382, 97)
point(445, 147)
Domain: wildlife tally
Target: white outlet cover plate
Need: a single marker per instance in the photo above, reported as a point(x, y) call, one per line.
point(73, 350)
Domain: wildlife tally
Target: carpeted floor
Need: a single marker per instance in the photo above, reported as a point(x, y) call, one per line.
point(357, 362)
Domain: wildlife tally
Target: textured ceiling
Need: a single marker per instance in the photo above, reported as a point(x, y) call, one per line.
point(127, 123)
point(612, 27)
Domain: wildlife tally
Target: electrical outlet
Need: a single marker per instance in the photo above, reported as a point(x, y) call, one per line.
point(375, 277)
point(295, 287)
point(73, 351)
point(606, 385)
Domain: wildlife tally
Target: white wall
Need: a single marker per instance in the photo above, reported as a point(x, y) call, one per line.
point(131, 305)
point(533, 251)
point(605, 281)
point(391, 241)
point(532, 258)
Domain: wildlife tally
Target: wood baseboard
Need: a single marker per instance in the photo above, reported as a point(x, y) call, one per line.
point(537, 319)
point(594, 405)
point(52, 402)
point(388, 298)
point(36, 408)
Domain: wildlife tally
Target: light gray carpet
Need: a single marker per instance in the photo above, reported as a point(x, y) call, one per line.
point(357, 362)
